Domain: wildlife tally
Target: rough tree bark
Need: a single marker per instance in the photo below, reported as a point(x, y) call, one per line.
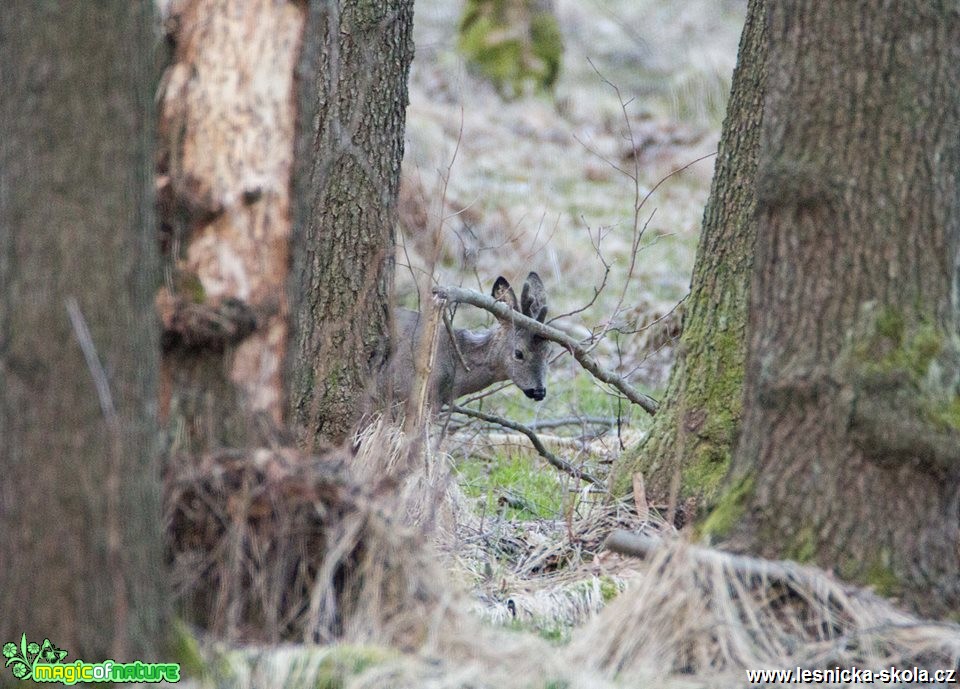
point(687, 452)
point(226, 126)
point(850, 450)
point(355, 63)
point(79, 494)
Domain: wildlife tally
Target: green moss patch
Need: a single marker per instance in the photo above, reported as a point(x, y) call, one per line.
point(513, 43)
point(729, 510)
point(344, 662)
point(516, 483)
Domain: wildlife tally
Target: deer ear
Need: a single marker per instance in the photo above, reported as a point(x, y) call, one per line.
point(533, 298)
point(502, 291)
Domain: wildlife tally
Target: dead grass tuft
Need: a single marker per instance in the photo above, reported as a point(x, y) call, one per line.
point(708, 615)
point(270, 545)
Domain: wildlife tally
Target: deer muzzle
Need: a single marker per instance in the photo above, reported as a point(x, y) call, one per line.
point(535, 393)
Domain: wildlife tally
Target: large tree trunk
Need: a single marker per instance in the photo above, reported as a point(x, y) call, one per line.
point(79, 482)
point(687, 452)
point(227, 115)
point(356, 60)
point(850, 451)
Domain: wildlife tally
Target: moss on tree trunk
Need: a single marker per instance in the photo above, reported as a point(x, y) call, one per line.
point(687, 452)
point(850, 446)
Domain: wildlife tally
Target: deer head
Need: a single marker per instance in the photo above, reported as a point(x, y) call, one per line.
point(523, 354)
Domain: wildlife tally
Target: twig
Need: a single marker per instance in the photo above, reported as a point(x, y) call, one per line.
point(89, 350)
point(503, 311)
point(114, 470)
point(574, 421)
point(448, 323)
point(560, 464)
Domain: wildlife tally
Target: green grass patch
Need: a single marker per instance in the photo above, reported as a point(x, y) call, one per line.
point(514, 478)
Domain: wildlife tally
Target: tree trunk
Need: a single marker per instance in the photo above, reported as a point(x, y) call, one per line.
point(80, 527)
point(226, 125)
point(356, 59)
point(687, 452)
point(850, 451)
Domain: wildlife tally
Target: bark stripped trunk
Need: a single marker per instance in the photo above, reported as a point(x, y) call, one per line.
point(352, 113)
point(850, 453)
point(226, 128)
point(687, 452)
point(79, 493)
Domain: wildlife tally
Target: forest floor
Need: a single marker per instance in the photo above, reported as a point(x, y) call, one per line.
point(546, 183)
point(551, 183)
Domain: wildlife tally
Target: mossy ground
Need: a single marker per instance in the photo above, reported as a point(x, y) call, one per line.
point(516, 44)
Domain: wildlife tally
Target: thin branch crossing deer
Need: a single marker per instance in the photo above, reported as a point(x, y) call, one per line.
point(503, 352)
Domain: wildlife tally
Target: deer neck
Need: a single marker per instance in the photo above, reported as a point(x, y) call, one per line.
point(483, 356)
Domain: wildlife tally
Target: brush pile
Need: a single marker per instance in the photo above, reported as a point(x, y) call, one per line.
point(270, 545)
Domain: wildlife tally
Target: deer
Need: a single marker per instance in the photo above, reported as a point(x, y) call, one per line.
point(485, 357)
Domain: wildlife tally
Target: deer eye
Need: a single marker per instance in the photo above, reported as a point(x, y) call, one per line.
point(518, 354)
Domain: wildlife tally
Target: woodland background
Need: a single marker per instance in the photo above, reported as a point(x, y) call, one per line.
point(208, 209)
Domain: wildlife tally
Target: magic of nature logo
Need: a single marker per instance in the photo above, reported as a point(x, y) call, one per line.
point(46, 663)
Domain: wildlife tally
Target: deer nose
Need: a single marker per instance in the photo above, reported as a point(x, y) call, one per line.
point(535, 393)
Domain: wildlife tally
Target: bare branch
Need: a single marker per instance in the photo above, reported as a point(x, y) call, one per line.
point(448, 323)
point(643, 546)
point(89, 349)
point(560, 464)
point(501, 310)
point(608, 421)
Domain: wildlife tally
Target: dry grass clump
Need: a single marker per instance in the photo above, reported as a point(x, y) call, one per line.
point(709, 616)
point(270, 545)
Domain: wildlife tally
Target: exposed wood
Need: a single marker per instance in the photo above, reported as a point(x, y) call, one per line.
point(226, 126)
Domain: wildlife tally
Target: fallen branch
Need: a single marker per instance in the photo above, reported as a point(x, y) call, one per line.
point(574, 421)
point(560, 464)
point(503, 311)
point(782, 571)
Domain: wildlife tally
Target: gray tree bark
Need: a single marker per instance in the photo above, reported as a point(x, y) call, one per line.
point(80, 535)
point(356, 60)
point(850, 450)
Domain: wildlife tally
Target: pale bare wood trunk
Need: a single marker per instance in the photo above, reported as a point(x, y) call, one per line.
point(227, 117)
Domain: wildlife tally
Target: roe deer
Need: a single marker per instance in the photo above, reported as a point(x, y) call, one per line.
point(502, 352)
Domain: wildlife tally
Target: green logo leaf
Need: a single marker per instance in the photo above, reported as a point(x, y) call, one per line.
point(23, 658)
